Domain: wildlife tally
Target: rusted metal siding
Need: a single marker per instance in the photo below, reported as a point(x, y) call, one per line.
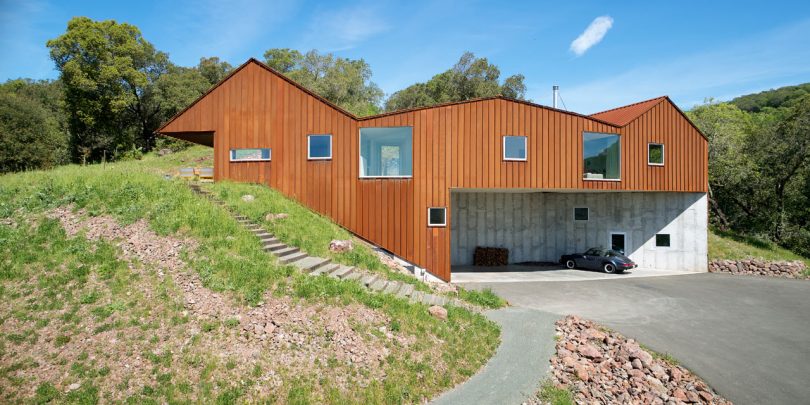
point(454, 146)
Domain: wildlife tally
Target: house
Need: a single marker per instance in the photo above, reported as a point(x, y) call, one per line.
point(430, 184)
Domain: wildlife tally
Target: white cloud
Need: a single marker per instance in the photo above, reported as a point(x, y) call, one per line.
point(592, 35)
point(336, 30)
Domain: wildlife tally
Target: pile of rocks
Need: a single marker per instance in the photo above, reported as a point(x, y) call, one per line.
point(601, 366)
point(785, 269)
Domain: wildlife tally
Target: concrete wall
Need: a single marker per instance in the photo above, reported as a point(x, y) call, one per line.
point(540, 226)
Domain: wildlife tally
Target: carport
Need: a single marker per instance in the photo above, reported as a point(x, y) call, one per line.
point(663, 232)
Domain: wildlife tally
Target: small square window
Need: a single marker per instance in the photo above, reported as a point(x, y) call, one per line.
point(581, 214)
point(319, 147)
point(514, 147)
point(437, 216)
point(655, 154)
point(662, 240)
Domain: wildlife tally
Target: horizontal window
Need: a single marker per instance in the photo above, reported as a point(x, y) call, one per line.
point(437, 216)
point(581, 214)
point(319, 147)
point(601, 156)
point(514, 147)
point(250, 155)
point(662, 240)
point(655, 154)
point(386, 152)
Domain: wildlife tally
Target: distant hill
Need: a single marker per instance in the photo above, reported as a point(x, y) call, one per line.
point(771, 98)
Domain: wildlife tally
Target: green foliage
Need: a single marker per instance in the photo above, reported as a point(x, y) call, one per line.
point(484, 298)
point(345, 82)
point(774, 98)
point(213, 70)
point(470, 78)
point(550, 394)
point(30, 134)
point(729, 245)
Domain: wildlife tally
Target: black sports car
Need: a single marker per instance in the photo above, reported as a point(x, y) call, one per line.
point(609, 261)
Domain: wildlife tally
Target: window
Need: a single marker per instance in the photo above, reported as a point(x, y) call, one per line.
point(601, 156)
point(581, 214)
point(662, 240)
point(514, 147)
point(319, 147)
point(250, 155)
point(617, 241)
point(386, 152)
point(437, 216)
point(655, 154)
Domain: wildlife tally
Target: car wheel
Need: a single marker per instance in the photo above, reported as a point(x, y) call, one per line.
point(609, 268)
point(570, 264)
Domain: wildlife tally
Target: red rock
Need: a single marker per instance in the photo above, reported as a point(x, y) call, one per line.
point(706, 396)
point(570, 346)
point(438, 312)
point(679, 394)
point(589, 351)
point(691, 396)
point(676, 374)
point(582, 372)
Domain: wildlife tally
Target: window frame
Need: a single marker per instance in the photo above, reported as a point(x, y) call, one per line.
point(587, 211)
point(309, 147)
point(669, 240)
point(433, 225)
point(525, 148)
point(360, 154)
point(582, 143)
point(663, 154)
point(232, 160)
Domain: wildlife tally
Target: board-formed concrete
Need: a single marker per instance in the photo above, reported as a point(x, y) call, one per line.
point(540, 226)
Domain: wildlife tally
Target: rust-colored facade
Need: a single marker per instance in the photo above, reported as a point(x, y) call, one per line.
point(455, 146)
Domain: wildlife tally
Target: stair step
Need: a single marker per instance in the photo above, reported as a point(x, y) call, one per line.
point(341, 272)
point(292, 258)
point(269, 240)
point(378, 285)
point(355, 275)
point(309, 264)
point(275, 247)
point(286, 251)
point(392, 287)
point(263, 234)
point(417, 296)
point(325, 269)
point(368, 279)
point(406, 291)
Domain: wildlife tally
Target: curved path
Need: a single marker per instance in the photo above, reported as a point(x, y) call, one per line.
point(521, 361)
point(748, 337)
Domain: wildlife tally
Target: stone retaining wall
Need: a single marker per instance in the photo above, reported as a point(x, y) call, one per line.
point(783, 269)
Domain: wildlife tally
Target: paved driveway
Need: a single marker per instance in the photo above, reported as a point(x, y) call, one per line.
point(748, 337)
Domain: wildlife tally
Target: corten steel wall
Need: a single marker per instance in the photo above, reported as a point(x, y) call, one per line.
point(454, 146)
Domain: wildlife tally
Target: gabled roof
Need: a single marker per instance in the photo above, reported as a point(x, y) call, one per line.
point(622, 116)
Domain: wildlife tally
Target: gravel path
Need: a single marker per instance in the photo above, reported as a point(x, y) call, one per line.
point(521, 362)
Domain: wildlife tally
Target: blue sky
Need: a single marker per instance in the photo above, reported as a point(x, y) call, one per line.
point(687, 50)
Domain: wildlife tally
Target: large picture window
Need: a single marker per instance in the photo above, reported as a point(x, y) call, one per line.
point(250, 155)
point(601, 156)
point(386, 152)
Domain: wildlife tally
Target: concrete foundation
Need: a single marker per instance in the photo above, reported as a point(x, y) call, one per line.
point(540, 226)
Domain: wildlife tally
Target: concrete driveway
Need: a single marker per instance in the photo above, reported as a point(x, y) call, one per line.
point(748, 337)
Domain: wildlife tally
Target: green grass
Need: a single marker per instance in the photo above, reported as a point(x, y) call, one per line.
point(555, 396)
point(732, 246)
point(484, 298)
point(69, 285)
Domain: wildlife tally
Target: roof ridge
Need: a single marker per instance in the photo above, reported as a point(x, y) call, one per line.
point(630, 105)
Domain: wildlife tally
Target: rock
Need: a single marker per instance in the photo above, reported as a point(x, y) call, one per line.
point(73, 387)
point(582, 372)
point(269, 328)
point(636, 363)
point(272, 217)
point(692, 397)
point(641, 354)
point(679, 394)
point(706, 396)
point(675, 374)
point(248, 198)
point(164, 152)
point(340, 246)
point(589, 351)
point(438, 312)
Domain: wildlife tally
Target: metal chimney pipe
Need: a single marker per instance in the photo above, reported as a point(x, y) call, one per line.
point(556, 94)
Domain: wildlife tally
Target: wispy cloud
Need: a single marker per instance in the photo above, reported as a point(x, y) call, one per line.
point(748, 63)
point(345, 28)
point(592, 35)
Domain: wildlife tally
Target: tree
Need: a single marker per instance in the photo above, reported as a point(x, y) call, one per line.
point(469, 78)
point(345, 82)
point(213, 70)
point(30, 134)
point(108, 70)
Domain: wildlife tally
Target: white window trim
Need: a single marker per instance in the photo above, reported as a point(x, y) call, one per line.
point(663, 154)
point(309, 157)
point(231, 159)
point(360, 155)
point(574, 214)
point(445, 217)
point(525, 146)
point(655, 242)
point(582, 144)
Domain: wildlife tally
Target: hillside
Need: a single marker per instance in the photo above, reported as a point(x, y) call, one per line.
point(775, 98)
point(117, 284)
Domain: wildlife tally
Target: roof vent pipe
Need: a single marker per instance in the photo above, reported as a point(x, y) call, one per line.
point(555, 95)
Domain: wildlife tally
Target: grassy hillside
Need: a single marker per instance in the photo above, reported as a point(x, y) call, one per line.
point(100, 320)
point(730, 246)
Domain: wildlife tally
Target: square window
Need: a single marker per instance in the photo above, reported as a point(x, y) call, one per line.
point(581, 214)
point(250, 155)
point(655, 154)
point(437, 216)
point(319, 147)
point(662, 240)
point(601, 154)
point(386, 152)
point(514, 147)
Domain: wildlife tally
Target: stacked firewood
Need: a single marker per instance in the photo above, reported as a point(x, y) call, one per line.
point(490, 256)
